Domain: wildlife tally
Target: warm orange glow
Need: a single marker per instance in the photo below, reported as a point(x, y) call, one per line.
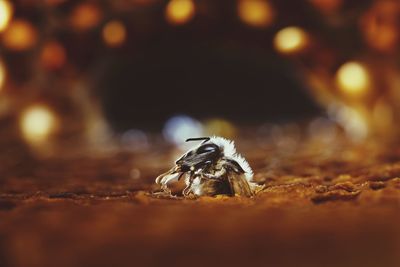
point(327, 5)
point(53, 55)
point(384, 37)
point(180, 11)
point(2, 74)
point(379, 25)
point(383, 115)
point(86, 16)
point(6, 11)
point(291, 40)
point(37, 123)
point(352, 78)
point(20, 35)
point(114, 33)
point(354, 121)
point(258, 13)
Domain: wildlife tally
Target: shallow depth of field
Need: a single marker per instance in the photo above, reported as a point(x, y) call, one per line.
point(97, 98)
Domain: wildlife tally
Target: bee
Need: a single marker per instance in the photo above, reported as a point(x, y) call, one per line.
point(211, 168)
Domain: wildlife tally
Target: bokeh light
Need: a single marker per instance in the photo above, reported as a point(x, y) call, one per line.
point(323, 130)
point(53, 55)
point(37, 123)
point(134, 140)
point(382, 37)
point(258, 13)
point(380, 25)
point(354, 122)
point(135, 174)
point(382, 116)
point(20, 35)
point(180, 12)
point(353, 78)
point(86, 16)
point(179, 128)
point(291, 40)
point(220, 127)
point(2, 74)
point(6, 12)
point(114, 33)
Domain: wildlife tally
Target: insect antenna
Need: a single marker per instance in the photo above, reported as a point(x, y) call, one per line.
point(205, 139)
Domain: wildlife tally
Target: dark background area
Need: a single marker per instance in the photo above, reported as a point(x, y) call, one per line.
point(213, 66)
point(202, 81)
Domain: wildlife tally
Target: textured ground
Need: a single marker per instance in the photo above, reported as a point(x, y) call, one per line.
point(326, 202)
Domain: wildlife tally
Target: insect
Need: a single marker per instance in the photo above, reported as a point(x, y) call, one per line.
point(211, 168)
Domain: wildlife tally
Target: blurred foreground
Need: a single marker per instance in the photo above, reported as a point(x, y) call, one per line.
point(326, 203)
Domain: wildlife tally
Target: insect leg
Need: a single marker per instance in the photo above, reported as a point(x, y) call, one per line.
point(188, 187)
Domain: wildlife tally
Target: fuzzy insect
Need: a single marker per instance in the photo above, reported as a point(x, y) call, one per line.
point(212, 168)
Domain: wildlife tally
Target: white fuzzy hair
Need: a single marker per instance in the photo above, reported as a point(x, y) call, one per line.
point(229, 150)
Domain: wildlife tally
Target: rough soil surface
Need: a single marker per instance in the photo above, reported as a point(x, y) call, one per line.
point(325, 203)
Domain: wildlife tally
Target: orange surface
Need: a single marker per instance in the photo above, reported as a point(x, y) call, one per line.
point(324, 204)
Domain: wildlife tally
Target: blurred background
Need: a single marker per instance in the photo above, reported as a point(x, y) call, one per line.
point(97, 97)
point(88, 71)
